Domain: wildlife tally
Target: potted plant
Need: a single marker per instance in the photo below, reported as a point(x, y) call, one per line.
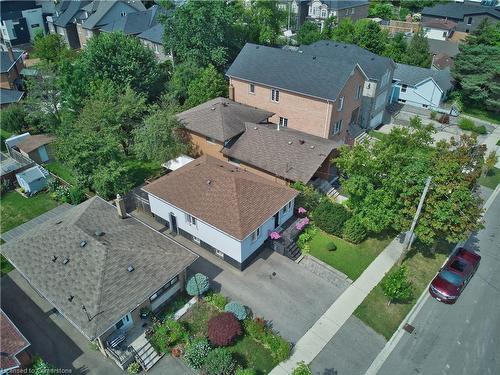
point(144, 312)
point(177, 351)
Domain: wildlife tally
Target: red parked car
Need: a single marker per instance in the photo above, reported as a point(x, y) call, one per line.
point(454, 276)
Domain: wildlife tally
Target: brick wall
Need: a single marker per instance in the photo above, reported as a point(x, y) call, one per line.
point(203, 147)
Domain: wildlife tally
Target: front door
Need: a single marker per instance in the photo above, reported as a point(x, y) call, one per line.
point(277, 220)
point(173, 222)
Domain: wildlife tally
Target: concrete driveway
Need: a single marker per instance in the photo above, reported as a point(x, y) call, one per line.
point(274, 287)
point(58, 342)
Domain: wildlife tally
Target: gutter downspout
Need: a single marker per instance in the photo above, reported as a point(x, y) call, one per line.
point(328, 116)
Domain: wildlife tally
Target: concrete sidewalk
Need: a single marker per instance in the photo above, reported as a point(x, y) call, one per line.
point(318, 336)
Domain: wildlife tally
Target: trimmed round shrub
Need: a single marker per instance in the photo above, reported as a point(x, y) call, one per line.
point(302, 369)
point(223, 329)
point(239, 311)
point(219, 362)
point(216, 299)
point(246, 371)
point(134, 368)
point(168, 334)
point(197, 285)
point(396, 285)
point(354, 230)
point(331, 246)
point(331, 217)
point(197, 352)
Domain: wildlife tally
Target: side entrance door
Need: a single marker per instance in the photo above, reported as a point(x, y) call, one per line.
point(277, 220)
point(173, 222)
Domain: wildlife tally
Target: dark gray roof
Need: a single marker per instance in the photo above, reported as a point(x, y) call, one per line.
point(6, 62)
point(372, 64)
point(221, 118)
point(96, 274)
point(284, 69)
point(134, 23)
point(413, 75)
point(343, 4)
point(286, 153)
point(447, 47)
point(101, 8)
point(458, 11)
point(154, 34)
point(68, 9)
point(10, 96)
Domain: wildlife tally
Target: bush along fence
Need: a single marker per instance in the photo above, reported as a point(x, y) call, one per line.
point(212, 334)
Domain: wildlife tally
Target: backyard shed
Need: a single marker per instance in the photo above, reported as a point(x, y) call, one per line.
point(33, 179)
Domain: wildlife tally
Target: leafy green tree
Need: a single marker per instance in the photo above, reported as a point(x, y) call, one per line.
point(309, 33)
point(264, 20)
point(396, 48)
point(382, 10)
point(369, 35)
point(396, 286)
point(205, 32)
point(418, 52)
point(51, 49)
point(344, 32)
point(480, 87)
point(13, 118)
point(183, 75)
point(302, 369)
point(111, 179)
point(40, 367)
point(328, 27)
point(160, 138)
point(208, 85)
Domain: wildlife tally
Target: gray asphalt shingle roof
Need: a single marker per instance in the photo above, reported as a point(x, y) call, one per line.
point(412, 75)
point(458, 11)
point(293, 71)
point(343, 4)
point(443, 46)
point(134, 23)
point(101, 8)
point(286, 153)
point(67, 11)
point(96, 274)
point(6, 62)
point(221, 118)
point(8, 96)
point(154, 34)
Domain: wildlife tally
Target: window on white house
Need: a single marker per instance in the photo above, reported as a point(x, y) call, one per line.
point(403, 88)
point(283, 122)
point(164, 288)
point(251, 88)
point(310, 11)
point(275, 95)
point(219, 253)
point(358, 92)
point(323, 13)
point(196, 240)
point(341, 104)
point(234, 160)
point(287, 208)
point(469, 21)
point(256, 234)
point(337, 126)
point(444, 34)
point(211, 140)
point(353, 10)
point(191, 220)
point(157, 48)
point(123, 13)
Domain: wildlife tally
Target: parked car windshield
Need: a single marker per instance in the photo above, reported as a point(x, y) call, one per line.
point(451, 277)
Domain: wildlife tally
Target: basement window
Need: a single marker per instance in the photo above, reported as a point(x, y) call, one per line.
point(251, 88)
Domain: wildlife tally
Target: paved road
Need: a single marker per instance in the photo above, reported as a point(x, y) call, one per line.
point(463, 338)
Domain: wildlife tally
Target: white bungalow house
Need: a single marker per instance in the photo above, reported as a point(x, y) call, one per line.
point(420, 87)
point(224, 209)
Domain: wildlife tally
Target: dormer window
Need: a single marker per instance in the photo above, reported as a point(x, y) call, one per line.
point(123, 13)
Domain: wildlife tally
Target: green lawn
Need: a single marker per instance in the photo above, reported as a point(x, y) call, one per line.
point(6, 267)
point(377, 134)
point(246, 351)
point(348, 258)
point(483, 115)
point(385, 319)
point(61, 171)
point(16, 209)
point(491, 179)
point(4, 134)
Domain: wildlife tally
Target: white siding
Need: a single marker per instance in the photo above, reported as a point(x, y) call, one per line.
point(424, 94)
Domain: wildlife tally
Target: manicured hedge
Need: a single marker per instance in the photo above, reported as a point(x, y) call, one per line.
point(354, 231)
point(331, 217)
point(223, 329)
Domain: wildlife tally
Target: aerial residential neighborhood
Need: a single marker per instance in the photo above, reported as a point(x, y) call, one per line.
point(249, 187)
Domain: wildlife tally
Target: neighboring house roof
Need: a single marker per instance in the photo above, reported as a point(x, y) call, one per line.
point(32, 142)
point(12, 343)
point(222, 195)
point(442, 61)
point(221, 118)
point(96, 274)
point(67, 10)
point(458, 11)
point(284, 69)
point(413, 75)
point(154, 34)
point(343, 4)
point(287, 153)
point(101, 8)
point(134, 23)
point(443, 46)
point(33, 174)
point(440, 24)
point(6, 63)
point(373, 65)
point(8, 96)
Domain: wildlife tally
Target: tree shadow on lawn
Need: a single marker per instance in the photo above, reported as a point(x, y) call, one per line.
point(418, 247)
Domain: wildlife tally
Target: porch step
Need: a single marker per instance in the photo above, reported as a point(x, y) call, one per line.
point(364, 137)
point(293, 252)
point(333, 193)
point(147, 356)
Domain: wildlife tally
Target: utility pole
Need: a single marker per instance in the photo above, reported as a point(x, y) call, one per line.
point(409, 235)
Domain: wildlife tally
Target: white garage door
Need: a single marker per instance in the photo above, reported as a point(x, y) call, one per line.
point(377, 120)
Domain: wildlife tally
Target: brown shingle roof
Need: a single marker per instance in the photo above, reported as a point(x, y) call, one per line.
point(286, 153)
point(96, 274)
point(440, 24)
point(12, 342)
point(442, 61)
point(34, 141)
point(221, 118)
point(233, 200)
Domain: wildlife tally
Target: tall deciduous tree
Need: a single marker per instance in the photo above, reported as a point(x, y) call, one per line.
point(382, 10)
point(51, 48)
point(418, 52)
point(208, 84)
point(309, 33)
point(264, 20)
point(183, 75)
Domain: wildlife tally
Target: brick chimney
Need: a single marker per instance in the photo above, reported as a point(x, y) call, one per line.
point(120, 206)
point(231, 92)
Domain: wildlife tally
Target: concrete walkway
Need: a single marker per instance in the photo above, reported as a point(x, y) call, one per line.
point(320, 334)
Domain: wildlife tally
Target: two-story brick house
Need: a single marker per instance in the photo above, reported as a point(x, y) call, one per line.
point(319, 10)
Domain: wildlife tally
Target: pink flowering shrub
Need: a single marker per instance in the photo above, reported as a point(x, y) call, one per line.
point(275, 236)
point(302, 223)
point(301, 210)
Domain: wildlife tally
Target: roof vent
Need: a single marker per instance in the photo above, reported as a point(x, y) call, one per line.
point(301, 141)
point(312, 146)
point(290, 142)
point(209, 182)
point(256, 47)
point(373, 58)
point(130, 268)
point(327, 44)
point(336, 45)
point(255, 128)
point(54, 258)
point(83, 243)
point(314, 57)
point(58, 222)
point(70, 298)
point(65, 260)
point(213, 108)
point(345, 46)
point(99, 233)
